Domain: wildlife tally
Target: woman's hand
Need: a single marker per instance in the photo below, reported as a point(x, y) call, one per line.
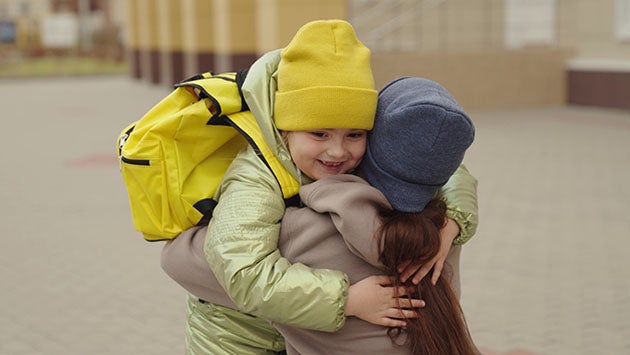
point(447, 234)
point(374, 300)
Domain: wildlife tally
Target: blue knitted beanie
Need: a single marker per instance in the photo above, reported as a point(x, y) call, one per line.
point(419, 139)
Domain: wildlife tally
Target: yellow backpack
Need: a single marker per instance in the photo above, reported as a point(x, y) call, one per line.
point(173, 158)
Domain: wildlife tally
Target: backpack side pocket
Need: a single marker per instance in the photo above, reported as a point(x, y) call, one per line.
point(144, 174)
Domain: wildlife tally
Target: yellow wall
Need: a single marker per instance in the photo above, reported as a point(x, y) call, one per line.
point(170, 29)
point(198, 25)
point(292, 14)
point(588, 26)
point(147, 18)
point(485, 80)
point(242, 26)
point(276, 21)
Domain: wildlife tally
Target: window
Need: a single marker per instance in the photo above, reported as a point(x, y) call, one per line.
point(622, 20)
point(7, 32)
point(25, 8)
point(530, 22)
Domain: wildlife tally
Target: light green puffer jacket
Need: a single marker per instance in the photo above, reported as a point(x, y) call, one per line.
point(242, 247)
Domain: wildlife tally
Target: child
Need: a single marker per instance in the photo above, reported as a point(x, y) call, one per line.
point(317, 96)
point(419, 139)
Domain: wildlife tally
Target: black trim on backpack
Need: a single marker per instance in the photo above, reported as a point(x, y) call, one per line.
point(194, 77)
point(293, 201)
point(205, 207)
point(240, 79)
point(251, 142)
point(219, 120)
point(203, 94)
point(123, 139)
point(210, 204)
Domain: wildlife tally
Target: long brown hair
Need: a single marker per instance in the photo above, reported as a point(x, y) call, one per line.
point(441, 327)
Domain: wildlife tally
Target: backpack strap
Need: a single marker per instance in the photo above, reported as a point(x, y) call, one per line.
point(246, 124)
point(240, 79)
point(229, 107)
point(222, 90)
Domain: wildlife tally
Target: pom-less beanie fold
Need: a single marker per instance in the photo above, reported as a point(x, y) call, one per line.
point(325, 80)
point(419, 139)
point(325, 107)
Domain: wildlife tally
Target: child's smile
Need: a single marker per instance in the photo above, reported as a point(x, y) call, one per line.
point(326, 152)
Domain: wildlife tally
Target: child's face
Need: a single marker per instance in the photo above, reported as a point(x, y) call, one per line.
point(325, 152)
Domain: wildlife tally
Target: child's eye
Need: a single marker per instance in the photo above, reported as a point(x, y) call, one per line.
point(318, 134)
point(356, 135)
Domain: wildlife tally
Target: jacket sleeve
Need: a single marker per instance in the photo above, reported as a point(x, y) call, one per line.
point(241, 248)
point(460, 195)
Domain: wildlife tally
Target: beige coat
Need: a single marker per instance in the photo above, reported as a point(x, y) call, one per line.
point(335, 232)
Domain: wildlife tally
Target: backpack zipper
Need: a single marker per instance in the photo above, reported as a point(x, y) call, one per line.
point(145, 162)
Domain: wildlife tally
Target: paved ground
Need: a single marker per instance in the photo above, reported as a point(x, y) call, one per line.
point(544, 275)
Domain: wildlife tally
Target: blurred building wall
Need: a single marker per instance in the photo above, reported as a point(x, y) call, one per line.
point(97, 29)
point(487, 79)
point(488, 53)
point(599, 73)
point(25, 17)
point(169, 40)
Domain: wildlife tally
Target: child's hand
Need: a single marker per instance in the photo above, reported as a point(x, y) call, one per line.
point(373, 300)
point(447, 234)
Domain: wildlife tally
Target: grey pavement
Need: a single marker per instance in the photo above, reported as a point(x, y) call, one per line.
point(545, 274)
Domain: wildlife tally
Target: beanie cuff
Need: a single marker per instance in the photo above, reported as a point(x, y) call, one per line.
point(324, 107)
point(404, 196)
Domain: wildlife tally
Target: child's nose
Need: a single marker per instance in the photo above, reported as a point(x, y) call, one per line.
point(336, 150)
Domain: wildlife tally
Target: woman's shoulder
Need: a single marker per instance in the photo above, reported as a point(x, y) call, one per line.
point(341, 190)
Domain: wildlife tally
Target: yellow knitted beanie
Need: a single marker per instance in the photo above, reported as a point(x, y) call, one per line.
point(325, 80)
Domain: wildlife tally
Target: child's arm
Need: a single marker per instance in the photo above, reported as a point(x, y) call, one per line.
point(241, 248)
point(460, 195)
point(306, 239)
